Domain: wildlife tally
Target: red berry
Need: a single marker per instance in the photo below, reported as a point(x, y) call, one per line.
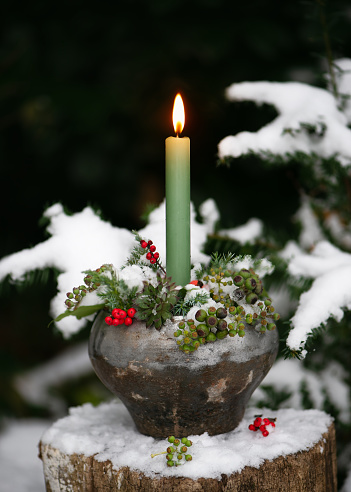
point(149, 242)
point(266, 421)
point(272, 424)
point(153, 248)
point(262, 428)
point(128, 321)
point(252, 428)
point(153, 261)
point(108, 320)
point(258, 421)
point(131, 312)
point(265, 433)
point(115, 322)
point(148, 255)
point(122, 313)
point(143, 244)
point(156, 255)
point(194, 282)
point(115, 313)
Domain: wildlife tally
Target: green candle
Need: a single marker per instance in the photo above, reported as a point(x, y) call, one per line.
point(178, 200)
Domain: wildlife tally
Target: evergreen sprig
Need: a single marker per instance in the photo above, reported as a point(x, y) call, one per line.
point(113, 290)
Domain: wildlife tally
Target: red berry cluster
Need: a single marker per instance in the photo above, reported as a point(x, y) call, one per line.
point(120, 317)
point(261, 424)
point(152, 255)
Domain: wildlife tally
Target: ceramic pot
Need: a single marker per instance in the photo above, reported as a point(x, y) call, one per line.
point(168, 392)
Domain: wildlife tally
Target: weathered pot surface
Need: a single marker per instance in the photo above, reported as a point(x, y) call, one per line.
point(168, 392)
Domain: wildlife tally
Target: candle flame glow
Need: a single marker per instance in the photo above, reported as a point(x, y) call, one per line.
point(178, 114)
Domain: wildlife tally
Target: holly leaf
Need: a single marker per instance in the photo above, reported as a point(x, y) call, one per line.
point(80, 312)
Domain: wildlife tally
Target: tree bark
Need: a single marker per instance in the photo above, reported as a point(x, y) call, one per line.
point(313, 470)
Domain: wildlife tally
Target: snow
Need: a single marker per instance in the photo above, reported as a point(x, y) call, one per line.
point(20, 468)
point(108, 432)
point(289, 375)
point(329, 294)
point(84, 241)
point(297, 105)
point(343, 82)
point(247, 233)
point(311, 232)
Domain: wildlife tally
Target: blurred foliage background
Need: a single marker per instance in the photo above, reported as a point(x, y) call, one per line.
point(86, 94)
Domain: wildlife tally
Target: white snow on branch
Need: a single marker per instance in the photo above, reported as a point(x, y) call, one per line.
point(246, 233)
point(342, 70)
point(84, 241)
point(289, 375)
point(329, 294)
point(300, 107)
point(311, 232)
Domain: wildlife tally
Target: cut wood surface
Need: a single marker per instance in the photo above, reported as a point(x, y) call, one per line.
point(309, 470)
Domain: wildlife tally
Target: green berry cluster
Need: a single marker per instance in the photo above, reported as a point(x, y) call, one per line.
point(248, 285)
point(177, 452)
point(91, 284)
point(237, 292)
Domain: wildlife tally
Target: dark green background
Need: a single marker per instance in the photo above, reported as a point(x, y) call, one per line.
point(86, 94)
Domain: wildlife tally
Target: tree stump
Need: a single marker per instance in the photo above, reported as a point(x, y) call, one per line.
point(99, 450)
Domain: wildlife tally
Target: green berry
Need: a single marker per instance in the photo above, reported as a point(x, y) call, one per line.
point(171, 439)
point(232, 333)
point(69, 303)
point(187, 340)
point(220, 335)
point(250, 283)
point(221, 313)
point(179, 457)
point(201, 315)
point(241, 333)
point(183, 449)
point(203, 330)
point(190, 322)
point(186, 349)
point(211, 310)
point(177, 333)
point(211, 321)
point(251, 298)
point(188, 443)
point(196, 344)
point(263, 329)
point(194, 334)
point(188, 457)
point(170, 463)
point(276, 316)
point(238, 280)
point(176, 442)
point(76, 290)
point(171, 449)
point(232, 310)
point(70, 295)
point(169, 456)
point(245, 273)
point(181, 325)
point(271, 326)
point(211, 337)
point(184, 440)
point(222, 325)
point(268, 302)
point(248, 319)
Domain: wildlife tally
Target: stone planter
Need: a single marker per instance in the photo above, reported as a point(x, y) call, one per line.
point(170, 393)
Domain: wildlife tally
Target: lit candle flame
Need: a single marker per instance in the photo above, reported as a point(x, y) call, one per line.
point(178, 114)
